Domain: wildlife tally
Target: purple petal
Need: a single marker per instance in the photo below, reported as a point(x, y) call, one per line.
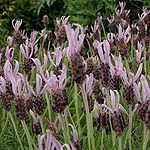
point(145, 86)
point(123, 109)
point(37, 63)
point(98, 46)
point(89, 83)
point(45, 61)
point(138, 73)
point(113, 101)
point(23, 51)
point(50, 58)
point(137, 91)
point(40, 140)
point(58, 56)
point(63, 75)
point(74, 133)
point(33, 116)
point(106, 50)
point(16, 69)
point(38, 83)
point(48, 140)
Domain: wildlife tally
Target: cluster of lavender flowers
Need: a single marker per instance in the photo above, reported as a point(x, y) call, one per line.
point(113, 74)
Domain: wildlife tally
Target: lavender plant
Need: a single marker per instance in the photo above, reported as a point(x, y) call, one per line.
point(106, 104)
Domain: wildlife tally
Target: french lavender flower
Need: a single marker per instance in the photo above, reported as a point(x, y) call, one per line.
point(58, 55)
point(144, 107)
point(38, 101)
point(76, 61)
point(104, 54)
point(111, 24)
point(36, 127)
point(55, 126)
point(92, 67)
point(74, 144)
point(45, 21)
point(6, 103)
point(51, 142)
point(60, 32)
point(9, 54)
point(57, 90)
point(8, 70)
point(141, 24)
point(96, 29)
point(115, 73)
point(123, 15)
point(88, 90)
point(117, 118)
point(19, 35)
point(18, 87)
point(123, 38)
point(98, 94)
point(41, 68)
point(139, 56)
point(110, 38)
point(103, 118)
point(129, 90)
point(27, 54)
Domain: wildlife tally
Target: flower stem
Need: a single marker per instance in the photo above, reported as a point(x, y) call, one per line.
point(89, 122)
point(102, 139)
point(41, 122)
point(29, 138)
point(130, 127)
point(15, 128)
point(146, 140)
point(77, 109)
point(109, 105)
point(120, 143)
point(66, 138)
point(48, 106)
point(4, 126)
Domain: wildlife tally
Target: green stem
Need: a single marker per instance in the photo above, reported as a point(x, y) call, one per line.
point(65, 135)
point(120, 143)
point(130, 127)
point(146, 140)
point(127, 66)
point(48, 106)
point(144, 132)
point(145, 68)
point(102, 139)
point(90, 131)
point(109, 105)
point(15, 128)
point(4, 126)
point(41, 123)
point(29, 138)
point(77, 109)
